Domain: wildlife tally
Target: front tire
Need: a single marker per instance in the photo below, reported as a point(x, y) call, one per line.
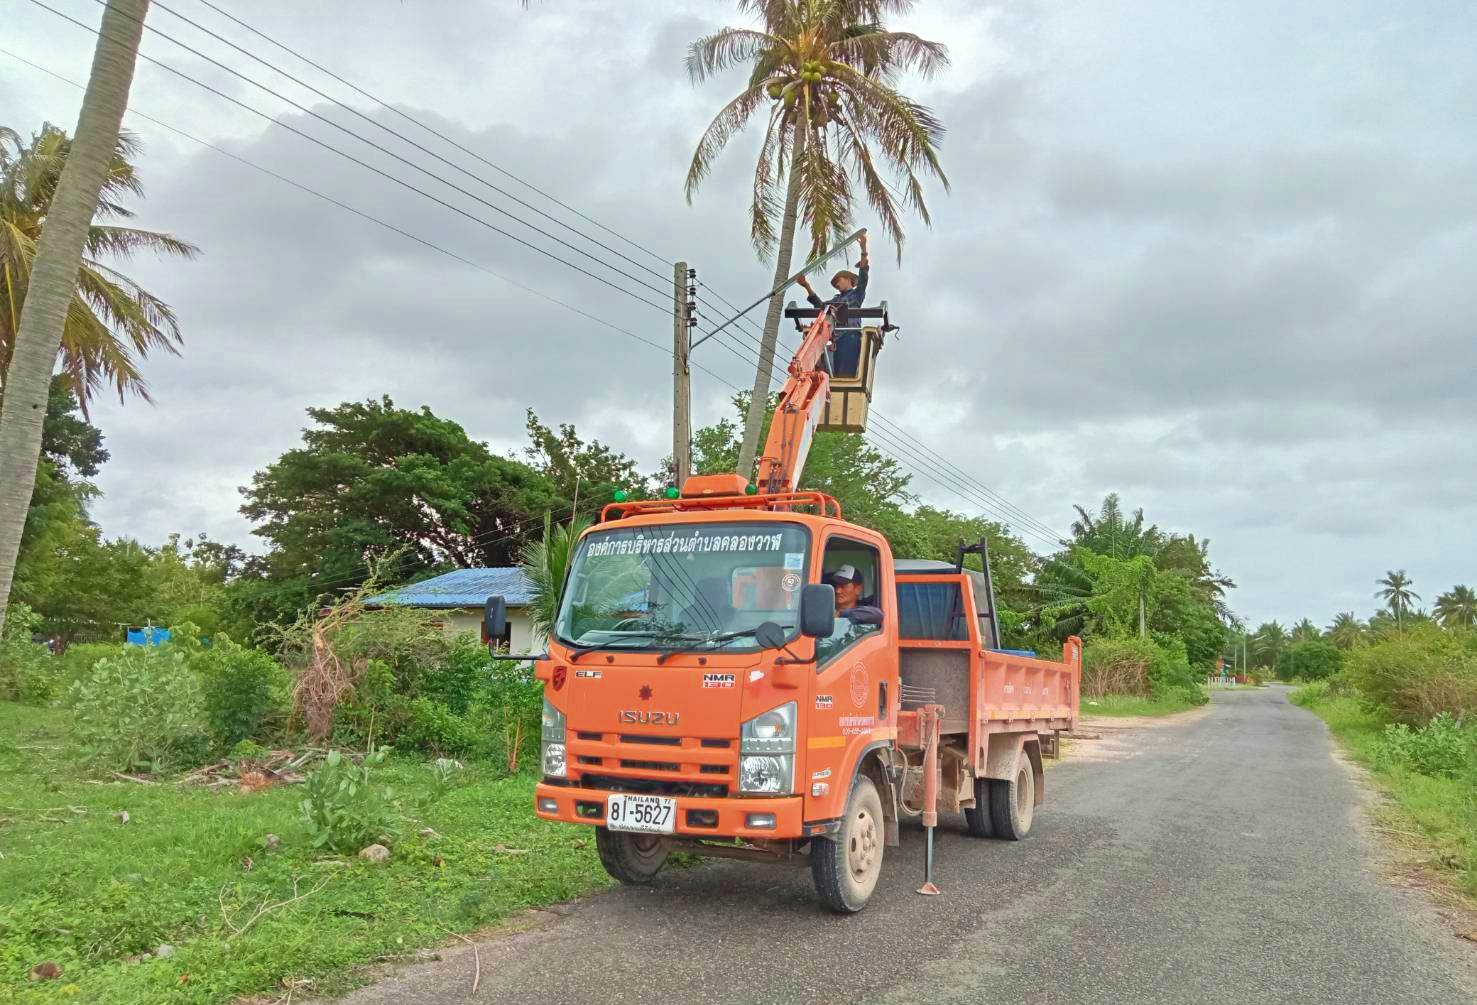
point(634, 859)
point(1013, 803)
point(846, 867)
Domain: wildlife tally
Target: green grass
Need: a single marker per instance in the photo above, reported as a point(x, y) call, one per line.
point(82, 889)
point(1130, 705)
point(1443, 810)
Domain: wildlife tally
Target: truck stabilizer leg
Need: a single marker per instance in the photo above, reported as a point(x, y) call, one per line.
point(932, 717)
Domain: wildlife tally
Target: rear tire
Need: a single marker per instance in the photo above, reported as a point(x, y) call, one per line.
point(1013, 803)
point(846, 867)
point(977, 820)
point(634, 859)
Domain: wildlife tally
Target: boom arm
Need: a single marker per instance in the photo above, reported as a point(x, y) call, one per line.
point(800, 407)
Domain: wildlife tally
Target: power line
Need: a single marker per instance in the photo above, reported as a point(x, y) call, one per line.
point(364, 164)
point(894, 440)
point(1019, 514)
point(379, 125)
point(439, 135)
point(351, 209)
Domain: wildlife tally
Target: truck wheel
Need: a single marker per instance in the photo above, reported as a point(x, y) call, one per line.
point(634, 859)
point(1013, 803)
point(846, 867)
point(977, 817)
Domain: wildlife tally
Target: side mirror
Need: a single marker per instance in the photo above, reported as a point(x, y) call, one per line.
point(770, 635)
point(817, 610)
point(495, 621)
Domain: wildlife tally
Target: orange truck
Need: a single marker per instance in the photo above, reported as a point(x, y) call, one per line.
point(736, 671)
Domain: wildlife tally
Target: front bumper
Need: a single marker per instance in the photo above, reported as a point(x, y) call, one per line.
point(697, 816)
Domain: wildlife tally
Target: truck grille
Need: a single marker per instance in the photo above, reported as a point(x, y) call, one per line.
point(654, 786)
point(653, 764)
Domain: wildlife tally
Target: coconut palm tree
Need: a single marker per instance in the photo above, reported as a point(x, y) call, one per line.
point(1457, 608)
point(1346, 632)
point(1396, 593)
point(1267, 642)
point(52, 288)
point(545, 563)
point(112, 321)
point(1305, 631)
point(827, 70)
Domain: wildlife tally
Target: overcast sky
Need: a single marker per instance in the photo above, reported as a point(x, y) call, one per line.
point(1216, 257)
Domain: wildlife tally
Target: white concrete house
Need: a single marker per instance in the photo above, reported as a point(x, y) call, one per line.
point(459, 597)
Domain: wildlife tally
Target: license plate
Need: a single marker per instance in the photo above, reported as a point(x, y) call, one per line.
point(654, 814)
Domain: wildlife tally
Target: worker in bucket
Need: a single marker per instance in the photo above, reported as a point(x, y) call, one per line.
point(851, 291)
point(851, 287)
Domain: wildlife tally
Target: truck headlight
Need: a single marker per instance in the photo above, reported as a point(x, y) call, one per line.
point(770, 733)
point(766, 774)
point(767, 752)
point(554, 760)
point(551, 741)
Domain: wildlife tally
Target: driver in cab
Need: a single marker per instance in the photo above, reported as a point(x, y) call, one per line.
point(850, 604)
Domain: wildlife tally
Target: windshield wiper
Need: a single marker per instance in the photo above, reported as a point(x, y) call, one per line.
point(574, 657)
point(711, 640)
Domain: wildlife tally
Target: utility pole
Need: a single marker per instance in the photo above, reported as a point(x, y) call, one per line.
point(684, 318)
point(1141, 614)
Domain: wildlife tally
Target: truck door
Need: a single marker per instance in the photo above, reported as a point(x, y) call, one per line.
point(856, 671)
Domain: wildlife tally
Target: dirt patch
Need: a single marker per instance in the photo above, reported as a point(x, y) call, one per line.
point(1107, 738)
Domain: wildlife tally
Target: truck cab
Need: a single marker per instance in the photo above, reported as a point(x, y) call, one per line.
point(705, 691)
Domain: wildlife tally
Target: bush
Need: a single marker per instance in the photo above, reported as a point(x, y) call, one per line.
point(1309, 661)
point(141, 709)
point(1442, 749)
point(245, 690)
point(28, 671)
point(429, 725)
point(1157, 668)
point(1417, 675)
point(77, 660)
point(344, 810)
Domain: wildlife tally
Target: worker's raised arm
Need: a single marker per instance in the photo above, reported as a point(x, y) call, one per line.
point(804, 284)
point(863, 268)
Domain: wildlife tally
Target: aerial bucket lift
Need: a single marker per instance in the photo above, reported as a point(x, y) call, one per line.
point(851, 362)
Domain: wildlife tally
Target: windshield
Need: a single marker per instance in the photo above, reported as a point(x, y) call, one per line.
point(702, 586)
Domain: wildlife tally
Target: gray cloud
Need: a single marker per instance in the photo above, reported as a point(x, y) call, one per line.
point(1213, 258)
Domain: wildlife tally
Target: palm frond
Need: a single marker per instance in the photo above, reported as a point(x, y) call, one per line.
point(898, 51)
point(124, 241)
point(726, 48)
point(728, 122)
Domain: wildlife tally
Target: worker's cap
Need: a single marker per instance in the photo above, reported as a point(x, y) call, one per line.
point(845, 574)
point(847, 273)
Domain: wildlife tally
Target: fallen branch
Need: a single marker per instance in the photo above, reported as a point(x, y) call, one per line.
point(132, 778)
point(265, 908)
point(476, 958)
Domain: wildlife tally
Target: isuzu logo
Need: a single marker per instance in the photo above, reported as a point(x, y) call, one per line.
point(648, 718)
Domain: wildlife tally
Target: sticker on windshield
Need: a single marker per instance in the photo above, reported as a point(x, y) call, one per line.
point(790, 582)
point(687, 544)
point(794, 560)
point(719, 679)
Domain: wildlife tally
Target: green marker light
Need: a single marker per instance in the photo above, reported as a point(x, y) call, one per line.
point(751, 489)
point(621, 495)
point(672, 492)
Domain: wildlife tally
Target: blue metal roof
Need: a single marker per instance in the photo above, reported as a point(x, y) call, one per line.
point(462, 588)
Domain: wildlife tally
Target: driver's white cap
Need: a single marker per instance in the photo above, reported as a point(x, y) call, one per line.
point(846, 573)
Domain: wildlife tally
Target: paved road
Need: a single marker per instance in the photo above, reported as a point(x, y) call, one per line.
point(1222, 861)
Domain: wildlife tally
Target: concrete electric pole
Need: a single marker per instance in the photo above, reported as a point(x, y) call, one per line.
point(684, 305)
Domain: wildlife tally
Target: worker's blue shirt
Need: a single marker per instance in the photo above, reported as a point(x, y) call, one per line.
point(853, 297)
